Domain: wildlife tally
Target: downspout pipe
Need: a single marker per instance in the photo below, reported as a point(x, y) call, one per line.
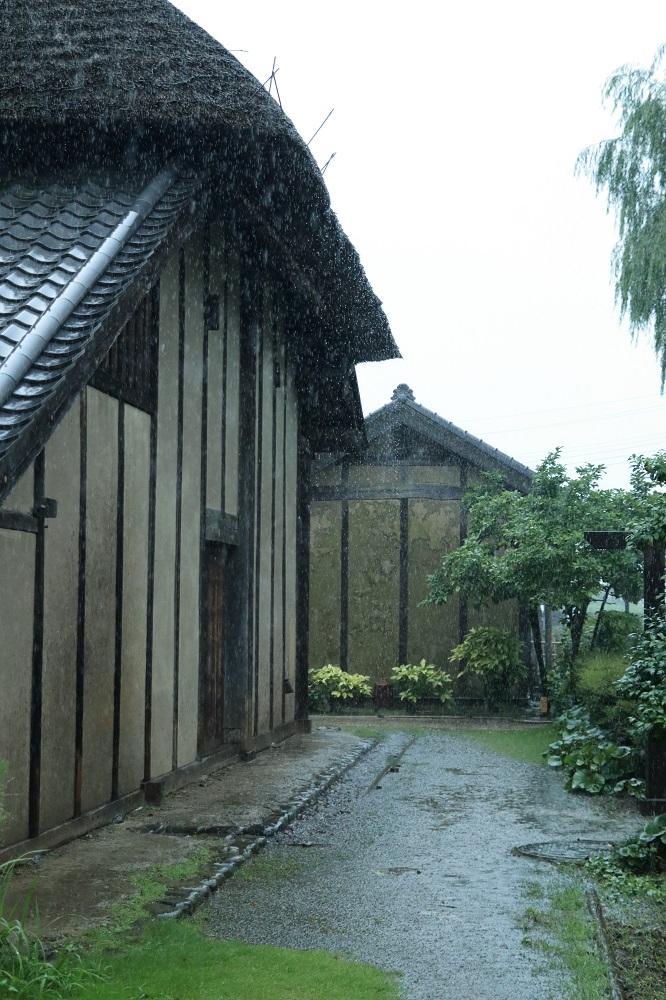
point(28, 351)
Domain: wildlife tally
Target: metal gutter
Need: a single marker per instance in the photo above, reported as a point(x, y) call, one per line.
point(28, 351)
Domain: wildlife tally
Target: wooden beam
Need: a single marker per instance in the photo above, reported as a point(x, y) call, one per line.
point(16, 520)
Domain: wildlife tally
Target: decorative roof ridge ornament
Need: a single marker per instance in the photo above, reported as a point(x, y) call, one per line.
point(402, 392)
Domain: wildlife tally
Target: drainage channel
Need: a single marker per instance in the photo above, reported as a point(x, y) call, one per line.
point(242, 843)
point(392, 766)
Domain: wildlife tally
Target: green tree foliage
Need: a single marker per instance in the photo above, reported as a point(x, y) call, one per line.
point(647, 516)
point(532, 548)
point(631, 170)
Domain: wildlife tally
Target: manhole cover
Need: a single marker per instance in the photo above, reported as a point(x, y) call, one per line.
point(573, 851)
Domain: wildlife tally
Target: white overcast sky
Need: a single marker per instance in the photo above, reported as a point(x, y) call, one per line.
point(456, 129)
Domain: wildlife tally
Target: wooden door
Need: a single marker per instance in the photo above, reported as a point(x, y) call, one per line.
point(211, 670)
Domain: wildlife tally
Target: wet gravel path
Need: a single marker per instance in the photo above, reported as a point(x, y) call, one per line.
point(407, 864)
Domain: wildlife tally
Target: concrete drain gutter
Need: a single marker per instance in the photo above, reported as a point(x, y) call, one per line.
point(254, 837)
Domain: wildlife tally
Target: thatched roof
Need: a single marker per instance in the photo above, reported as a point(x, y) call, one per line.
point(144, 75)
point(141, 61)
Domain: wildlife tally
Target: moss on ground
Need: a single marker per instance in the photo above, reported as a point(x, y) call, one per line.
point(150, 886)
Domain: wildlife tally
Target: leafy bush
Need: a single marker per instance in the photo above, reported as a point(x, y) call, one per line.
point(644, 680)
point(494, 656)
point(425, 680)
point(644, 855)
point(590, 759)
point(330, 685)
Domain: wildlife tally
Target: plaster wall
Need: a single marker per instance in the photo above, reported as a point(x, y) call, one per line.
point(291, 520)
point(434, 530)
point(278, 570)
point(100, 597)
point(17, 574)
point(327, 477)
point(374, 475)
point(21, 496)
point(374, 564)
point(189, 624)
point(216, 393)
point(325, 609)
point(265, 522)
point(441, 475)
point(61, 574)
point(165, 521)
point(232, 402)
point(135, 598)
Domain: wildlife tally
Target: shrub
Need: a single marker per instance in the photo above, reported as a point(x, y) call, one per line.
point(494, 656)
point(331, 685)
point(425, 680)
point(644, 681)
point(591, 760)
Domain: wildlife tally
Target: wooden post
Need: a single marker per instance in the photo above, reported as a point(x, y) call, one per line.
point(653, 579)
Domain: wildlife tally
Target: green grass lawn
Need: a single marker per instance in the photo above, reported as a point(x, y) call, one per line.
point(526, 743)
point(174, 961)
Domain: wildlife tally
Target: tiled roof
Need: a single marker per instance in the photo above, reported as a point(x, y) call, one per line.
point(69, 250)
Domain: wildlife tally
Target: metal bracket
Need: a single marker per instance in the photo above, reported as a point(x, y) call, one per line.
point(47, 507)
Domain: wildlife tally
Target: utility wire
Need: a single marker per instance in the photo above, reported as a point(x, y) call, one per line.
point(321, 126)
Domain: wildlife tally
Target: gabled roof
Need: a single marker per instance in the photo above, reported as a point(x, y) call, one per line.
point(404, 414)
point(403, 410)
point(69, 255)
